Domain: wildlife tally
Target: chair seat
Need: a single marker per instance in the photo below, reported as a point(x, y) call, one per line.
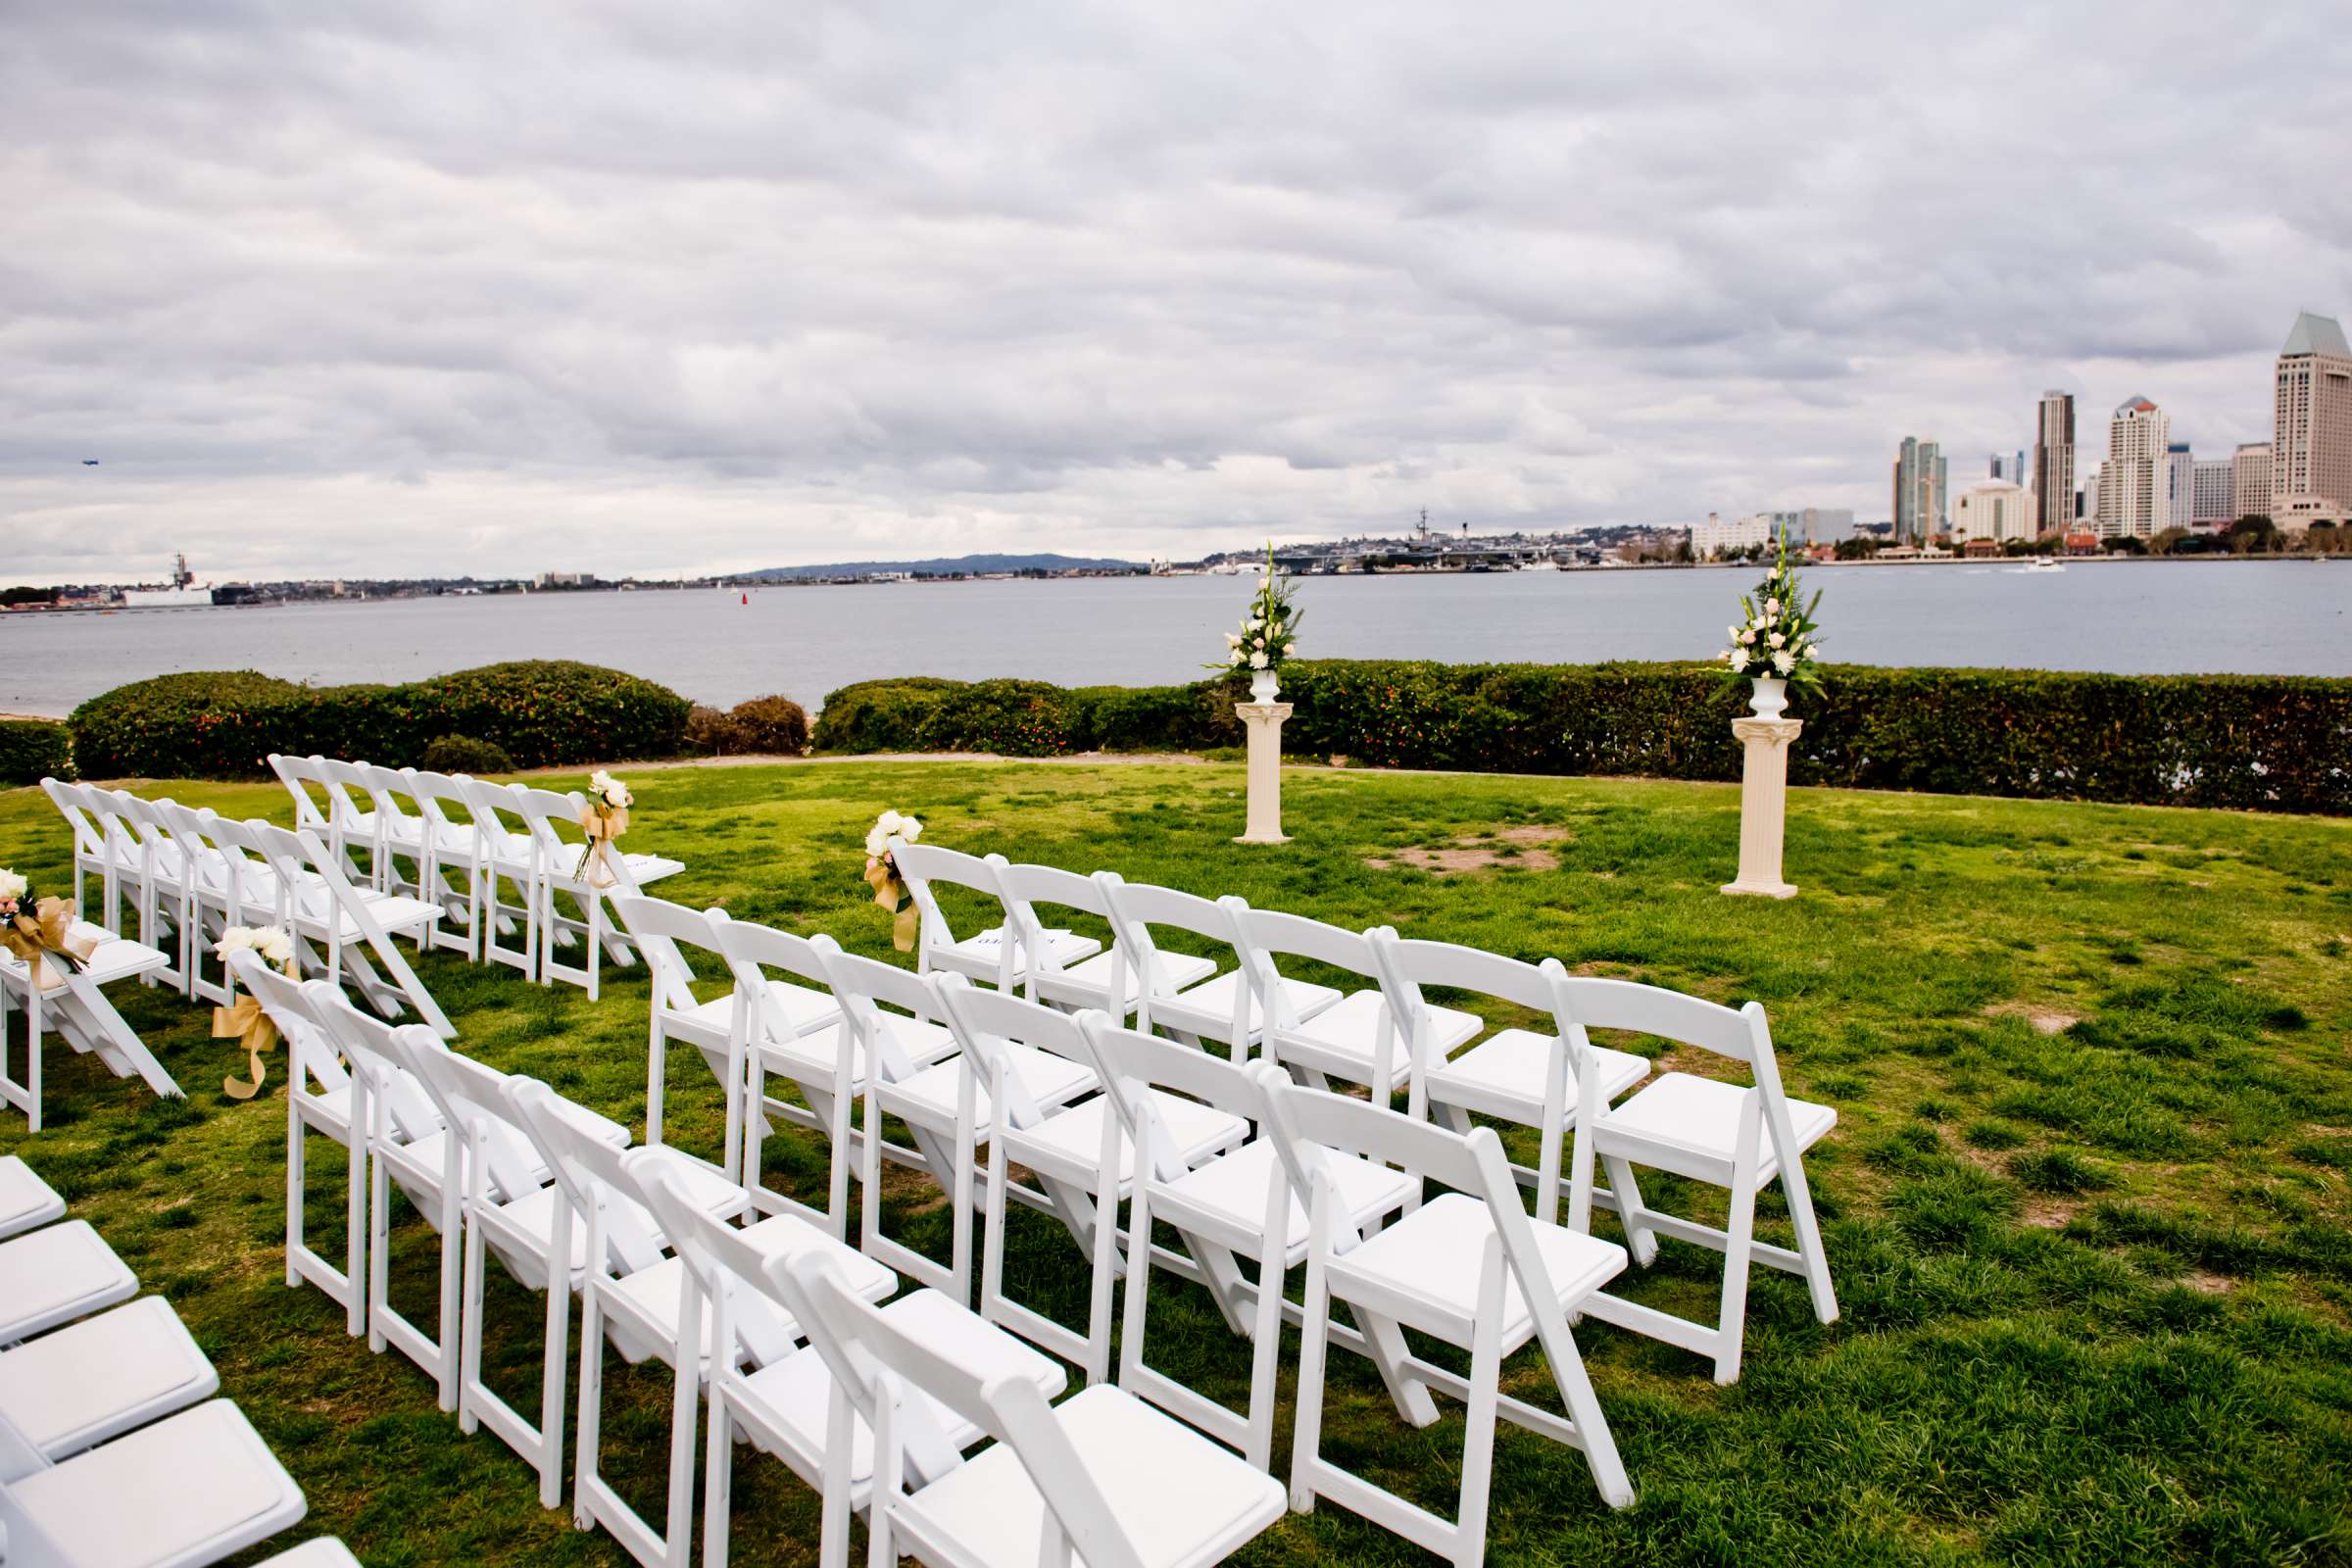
point(1231, 1188)
point(426, 1156)
point(1183, 1499)
point(57, 1274)
point(1089, 983)
point(193, 1489)
point(811, 1057)
point(1069, 1143)
point(795, 1394)
point(25, 1201)
point(1503, 1075)
point(1207, 1009)
point(652, 867)
point(325, 1551)
point(982, 955)
point(1343, 1040)
point(101, 1377)
point(1693, 1116)
point(653, 1293)
point(1050, 1080)
point(710, 1023)
point(331, 1110)
point(801, 1007)
point(409, 835)
point(1430, 1260)
point(113, 959)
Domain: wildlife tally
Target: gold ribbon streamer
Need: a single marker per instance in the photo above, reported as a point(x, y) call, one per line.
point(245, 1022)
point(602, 824)
point(49, 929)
point(891, 893)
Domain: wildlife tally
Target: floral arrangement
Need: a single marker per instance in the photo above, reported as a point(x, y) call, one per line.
point(882, 873)
point(38, 930)
point(1269, 633)
point(270, 941)
point(13, 892)
point(1777, 638)
point(244, 1020)
point(603, 818)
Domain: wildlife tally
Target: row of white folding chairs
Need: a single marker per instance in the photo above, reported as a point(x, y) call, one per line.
point(113, 1452)
point(461, 842)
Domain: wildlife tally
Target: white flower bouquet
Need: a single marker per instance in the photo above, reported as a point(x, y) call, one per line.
point(882, 873)
point(603, 818)
point(1269, 634)
point(1777, 637)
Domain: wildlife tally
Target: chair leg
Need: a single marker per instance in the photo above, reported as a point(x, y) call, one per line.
point(1808, 1242)
point(657, 1072)
point(470, 1331)
point(550, 1385)
point(1639, 1239)
point(294, 1184)
point(355, 1224)
point(592, 1405)
point(1477, 1442)
point(718, 1476)
point(1307, 1430)
point(677, 1528)
point(1740, 1238)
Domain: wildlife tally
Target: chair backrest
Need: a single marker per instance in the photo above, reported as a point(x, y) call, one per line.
point(372, 1048)
point(1024, 887)
point(867, 991)
point(1010, 1409)
point(115, 820)
point(470, 1097)
point(1262, 936)
point(1129, 1062)
point(290, 1007)
point(724, 1266)
point(751, 949)
point(245, 867)
point(386, 787)
point(1138, 906)
point(311, 882)
point(591, 1173)
point(435, 794)
point(1593, 1002)
point(499, 818)
point(658, 926)
point(148, 823)
point(922, 864)
point(90, 838)
point(301, 775)
point(984, 1020)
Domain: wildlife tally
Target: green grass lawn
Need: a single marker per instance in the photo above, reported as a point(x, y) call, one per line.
point(2086, 1205)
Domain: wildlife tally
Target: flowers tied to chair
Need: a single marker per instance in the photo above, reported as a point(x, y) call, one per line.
point(603, 818)
point(42, 933)
point(882, 872)
point(244, 1019)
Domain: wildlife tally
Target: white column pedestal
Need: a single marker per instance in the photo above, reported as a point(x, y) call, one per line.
point(1763, 804)
point(1264, 823)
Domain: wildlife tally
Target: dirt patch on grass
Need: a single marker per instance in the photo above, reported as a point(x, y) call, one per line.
point(2050, 1213)
point(2046, 1019)
point(2205, 1284)
point(1521, 847)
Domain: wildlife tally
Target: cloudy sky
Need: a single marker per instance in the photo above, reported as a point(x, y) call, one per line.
point(663, 288)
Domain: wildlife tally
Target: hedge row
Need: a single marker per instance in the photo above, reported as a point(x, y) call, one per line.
point(542, 714)
point(33, 749)
point(2261, 742)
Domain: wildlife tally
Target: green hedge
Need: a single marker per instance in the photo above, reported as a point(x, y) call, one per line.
point(33, 749)
point(2252, 742)
point(215, 724)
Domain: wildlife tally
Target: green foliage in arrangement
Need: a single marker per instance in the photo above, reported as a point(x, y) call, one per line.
point(2087, 1203)
point(2275, 742)
point(33, 749)
point(213, 724)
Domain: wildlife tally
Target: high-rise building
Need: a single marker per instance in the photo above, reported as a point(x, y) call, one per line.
point(2180, 481)
point(1919, 488)
point(2086, 500)
point(2054, 463)
point(2134, 487)
point(2250, 481)
point(1716, 536)
point(2210, 492)
point(2311, 446)
point(1995, 510)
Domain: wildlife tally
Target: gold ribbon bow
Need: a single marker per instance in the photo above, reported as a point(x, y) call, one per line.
point(245, 1022)
point(48, 929)
point(891, 893)
point(602, 824)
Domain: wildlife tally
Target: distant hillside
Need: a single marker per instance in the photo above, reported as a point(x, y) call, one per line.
point(943, 567)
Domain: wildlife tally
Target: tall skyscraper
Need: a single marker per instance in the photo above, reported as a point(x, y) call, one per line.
point(2210, 494)
point(2054, 463)
point(1920, 489)
point(2250, 481)
point(2311, 447)
point(2180, 481)
point(2135, 486)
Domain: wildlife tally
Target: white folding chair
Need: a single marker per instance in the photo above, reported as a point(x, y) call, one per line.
point(162, 888)
point(508, 1203)
point(227, 882)
point(400, 831)
point(317, 903)
point(1232, 1205)
point(448, 870)
point(631, 1292)
point(93, 854)
point(108, 1374)
point(1539, 1078)
point(1739, 1139)
point(75, 1005)
point(1102, 1479)
point(1467, 1268)
point(127, 849)
point(795, 1034)
point(56, 1274)
point(765, 1389)
point(1112, 981)
point(321, 1095)
point(306, 782)
point(943, 1105)
point(1079, 1152)
point(187, 1491)
point(322, 1552)
point(27, 1203)
point(506, 853)
point(1357, 1039)
point(351, 820)
point(994, 955)
point(568, 871)
point(1225, 1009)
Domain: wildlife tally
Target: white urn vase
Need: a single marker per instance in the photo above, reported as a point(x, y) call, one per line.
point(1771, 696)
point(1263, 684)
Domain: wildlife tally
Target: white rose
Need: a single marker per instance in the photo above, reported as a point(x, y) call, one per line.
point(236, 938)
point(1739, 662)
point(876, 841)
point(1233, 639)
point(1747, 635)
point(1772, 607)
point(12, 885)
point(910, 829)
point(599, 781)
point(1253, 623)
point(272, 944)
point(1258, 661)
point(887, 823)
point(1783, 662)
point(1238, 656)
point(1776, 639)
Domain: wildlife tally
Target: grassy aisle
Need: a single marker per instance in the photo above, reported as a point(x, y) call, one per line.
point(2087, 1204)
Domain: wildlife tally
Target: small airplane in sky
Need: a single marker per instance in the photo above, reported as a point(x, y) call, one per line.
point(89, 463)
